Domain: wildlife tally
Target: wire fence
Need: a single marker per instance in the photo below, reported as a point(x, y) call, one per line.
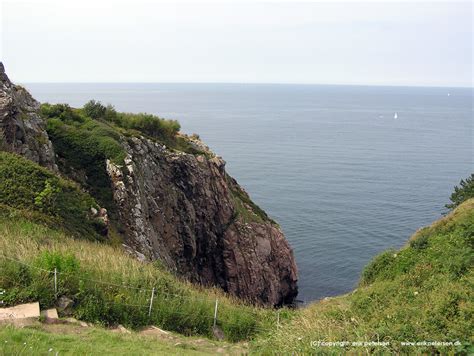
point(154, 293)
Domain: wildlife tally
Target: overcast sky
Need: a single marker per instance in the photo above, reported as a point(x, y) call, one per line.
point(389, 43)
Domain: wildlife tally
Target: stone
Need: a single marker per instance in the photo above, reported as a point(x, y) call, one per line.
point(157, 332)
point(218, 333)
point(122, 329)
point(22, 311)
point(50, 314)
point(64, 303)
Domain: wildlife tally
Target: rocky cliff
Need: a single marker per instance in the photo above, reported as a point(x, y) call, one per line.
point(180, 208)
point(186, 211)
point(22, 130)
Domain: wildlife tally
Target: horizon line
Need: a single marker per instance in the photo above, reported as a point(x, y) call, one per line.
point(254, 83)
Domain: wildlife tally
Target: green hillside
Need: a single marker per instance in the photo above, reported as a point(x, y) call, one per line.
point(424, 292)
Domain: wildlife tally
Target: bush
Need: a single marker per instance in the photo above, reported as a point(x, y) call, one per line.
point(62, 112)
point(462, 193)
point(147, 124)
point(94, 109)
point(28, 186)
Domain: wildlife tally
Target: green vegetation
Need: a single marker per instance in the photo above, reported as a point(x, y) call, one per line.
point(27, 186)
point(424, 292)
point(76, 340)
point(462, 193)
point(151, 126)
point(85, 138)
point(244, 206)
point(110, 287)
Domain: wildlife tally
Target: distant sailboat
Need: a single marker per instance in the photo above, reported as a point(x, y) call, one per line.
point(449, 94)
point(395, 116)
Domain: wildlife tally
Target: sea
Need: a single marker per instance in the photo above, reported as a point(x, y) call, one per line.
point(347, 171)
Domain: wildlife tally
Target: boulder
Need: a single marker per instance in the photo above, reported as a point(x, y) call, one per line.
point(64, 304)
point(29, 311)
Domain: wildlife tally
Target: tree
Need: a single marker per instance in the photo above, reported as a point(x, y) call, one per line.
point(94, 109)
point(463, 192)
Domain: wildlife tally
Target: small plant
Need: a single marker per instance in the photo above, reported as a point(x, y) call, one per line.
point(420, 242)
point(46, 198)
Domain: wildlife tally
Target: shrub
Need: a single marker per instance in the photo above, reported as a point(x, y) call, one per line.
point(94, 109)
point(463, 192)
point(419, 243)
point(28, 186)
point(62, 112)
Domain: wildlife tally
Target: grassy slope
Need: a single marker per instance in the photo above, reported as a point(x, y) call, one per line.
point(76, 340)
point(94, 274)
point(424, 292)
point(178, 305)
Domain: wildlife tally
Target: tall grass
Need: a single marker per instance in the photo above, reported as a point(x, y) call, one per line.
point(110, 287)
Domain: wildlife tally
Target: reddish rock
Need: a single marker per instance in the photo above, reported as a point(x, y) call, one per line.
point(186, 211)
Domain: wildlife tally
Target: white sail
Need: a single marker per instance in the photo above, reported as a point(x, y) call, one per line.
point(395, 116)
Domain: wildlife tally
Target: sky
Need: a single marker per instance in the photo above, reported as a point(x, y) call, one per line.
point(326, 42)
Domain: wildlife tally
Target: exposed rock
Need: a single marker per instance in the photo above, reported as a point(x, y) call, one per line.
point(22, 130)
point(71, 320)
point(64, 304)
point(157, 332)
point(181, 209)
point(22, 311)
point(121, 329)
point(50, 316)
point(218, 333)
point(139, 256)
point(102, 217)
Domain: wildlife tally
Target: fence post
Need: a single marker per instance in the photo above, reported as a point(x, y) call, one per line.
point(215, 314)
point(55, 282)
point(151, 301)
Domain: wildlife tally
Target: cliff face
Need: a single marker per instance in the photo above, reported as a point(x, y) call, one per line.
point(186, 211)
point(22, 130)
point(179, 208)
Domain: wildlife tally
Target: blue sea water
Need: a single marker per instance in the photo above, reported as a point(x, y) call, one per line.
point(343, 177)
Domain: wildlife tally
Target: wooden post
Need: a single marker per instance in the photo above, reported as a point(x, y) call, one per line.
point(55, 282)
point(151, 301)
point(215, 314)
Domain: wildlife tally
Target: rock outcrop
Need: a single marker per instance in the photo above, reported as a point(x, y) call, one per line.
point(22, 130)
point(180, 208)
point(184, 210)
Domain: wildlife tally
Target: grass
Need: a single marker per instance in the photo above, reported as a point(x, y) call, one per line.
point(424, 292)
point(74, 340)
point(178, 305)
